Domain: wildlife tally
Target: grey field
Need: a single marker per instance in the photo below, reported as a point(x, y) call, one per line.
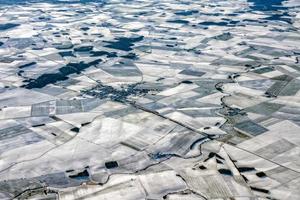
point(150, 99)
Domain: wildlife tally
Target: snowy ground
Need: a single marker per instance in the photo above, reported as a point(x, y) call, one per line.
point(150, 100)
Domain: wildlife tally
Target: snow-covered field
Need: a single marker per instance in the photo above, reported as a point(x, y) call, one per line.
point(155, 99)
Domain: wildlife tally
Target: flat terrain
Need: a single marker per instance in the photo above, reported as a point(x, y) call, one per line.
point(162, 99)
